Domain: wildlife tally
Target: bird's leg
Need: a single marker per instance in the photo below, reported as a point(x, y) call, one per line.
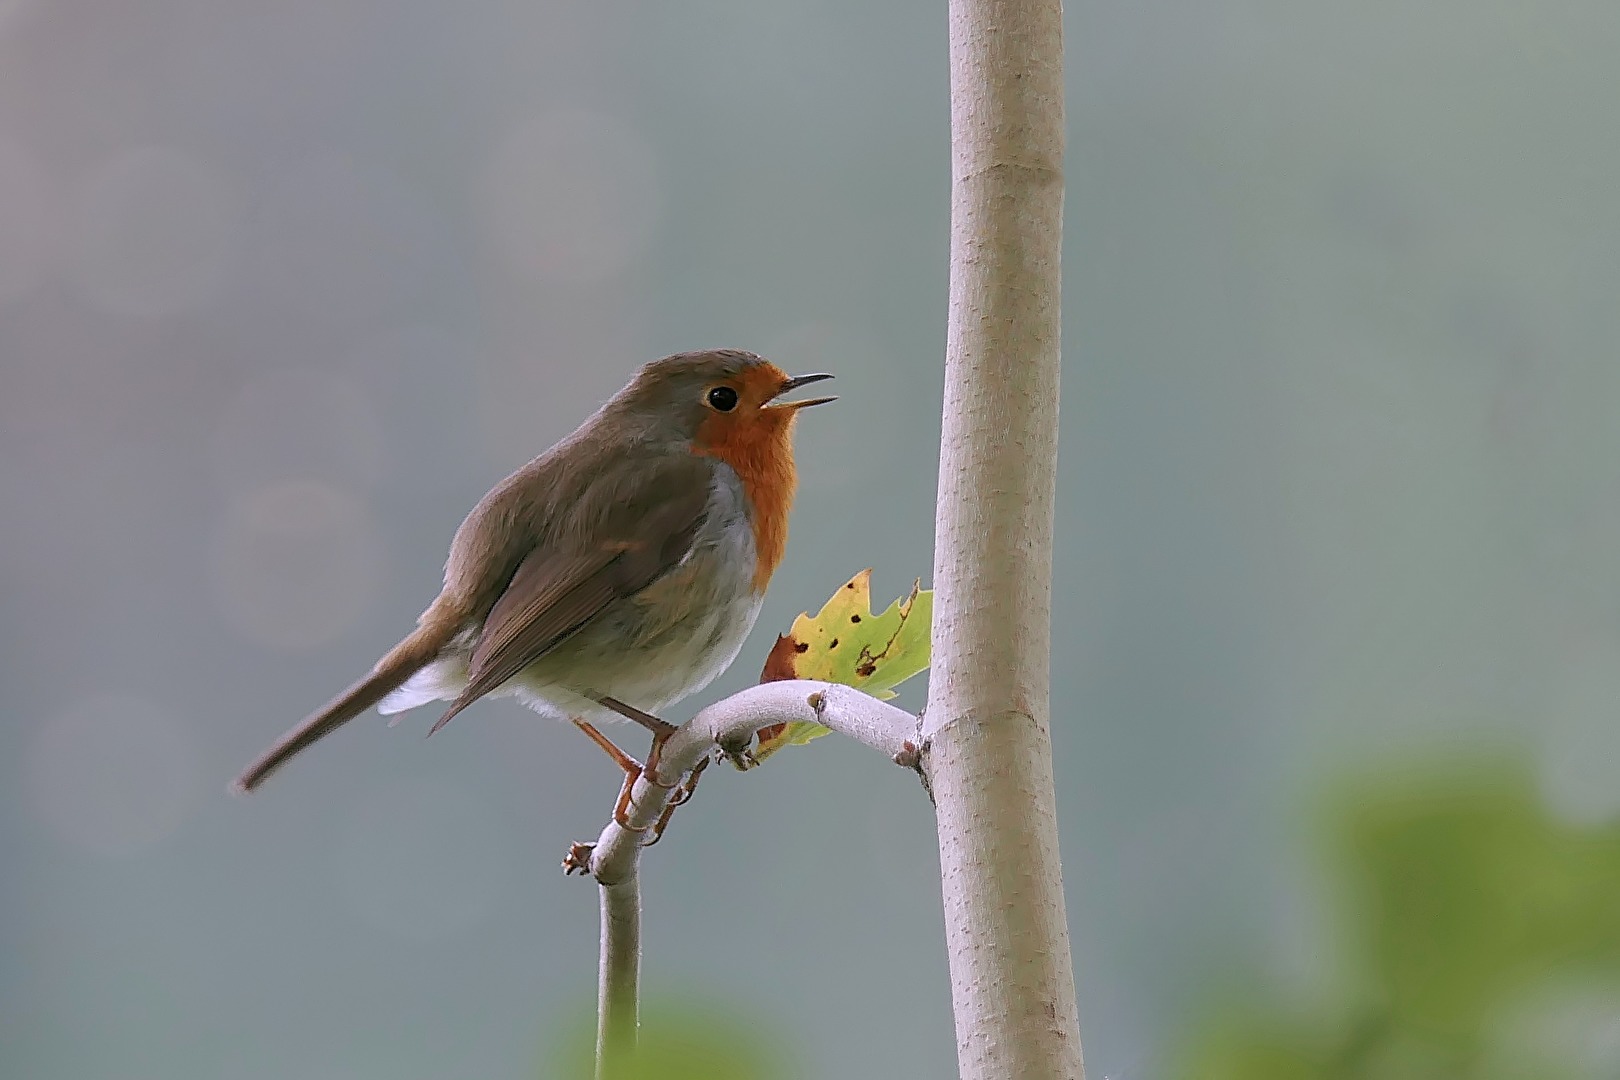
point(646, 720)
point(661, 731)
point(633, 771)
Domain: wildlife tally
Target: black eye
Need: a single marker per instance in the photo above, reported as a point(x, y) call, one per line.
point(723, 398)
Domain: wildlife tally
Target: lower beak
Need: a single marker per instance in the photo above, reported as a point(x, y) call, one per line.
point(796, 382)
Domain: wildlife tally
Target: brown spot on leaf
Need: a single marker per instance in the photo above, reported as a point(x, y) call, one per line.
point(780, 664)
point(865, 670)
point(801, 646)
point(833, 644)
point(854, 618)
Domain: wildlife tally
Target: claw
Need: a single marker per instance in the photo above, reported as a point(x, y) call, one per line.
point(683, 792)
point(689, 785)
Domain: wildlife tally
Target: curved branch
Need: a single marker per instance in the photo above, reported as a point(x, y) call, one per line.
point(730, 724)
point(613, 860)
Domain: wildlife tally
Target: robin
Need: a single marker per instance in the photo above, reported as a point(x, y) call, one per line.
point(616, 573)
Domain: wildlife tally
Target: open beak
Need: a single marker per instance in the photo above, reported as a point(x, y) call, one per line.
point(792, 385)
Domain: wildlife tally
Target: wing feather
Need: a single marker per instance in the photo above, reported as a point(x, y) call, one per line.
point(645, 531)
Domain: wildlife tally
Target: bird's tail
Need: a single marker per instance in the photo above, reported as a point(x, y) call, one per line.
point(402, 661)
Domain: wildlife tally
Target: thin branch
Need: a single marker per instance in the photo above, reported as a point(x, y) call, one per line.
point(618, 980)
point(614, 859)
point(730, 724)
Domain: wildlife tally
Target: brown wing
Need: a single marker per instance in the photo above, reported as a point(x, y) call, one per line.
point(636, 533)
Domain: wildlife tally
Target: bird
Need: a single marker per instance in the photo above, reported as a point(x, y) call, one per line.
point(615, 574)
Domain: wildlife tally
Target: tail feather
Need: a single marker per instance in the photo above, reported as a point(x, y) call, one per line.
point(403, 661)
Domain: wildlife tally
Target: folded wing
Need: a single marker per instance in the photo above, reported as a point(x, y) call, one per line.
point(641, 529)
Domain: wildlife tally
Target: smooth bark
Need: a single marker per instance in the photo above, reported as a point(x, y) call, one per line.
point(987, 727)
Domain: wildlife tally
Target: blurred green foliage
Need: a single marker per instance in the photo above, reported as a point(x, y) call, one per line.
point(1481, 939)
point(678, 1041)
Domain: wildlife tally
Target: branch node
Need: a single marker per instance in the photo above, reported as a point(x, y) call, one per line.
point(739, 754)
point(578, 859)
point(920, 767)
point(908, 755)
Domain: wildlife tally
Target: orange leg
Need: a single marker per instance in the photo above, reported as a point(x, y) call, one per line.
point(661, 728)
point(634, 770)
point(661, 731)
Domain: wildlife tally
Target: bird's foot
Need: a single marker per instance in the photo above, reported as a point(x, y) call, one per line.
point(635, 770)
point(683, 791)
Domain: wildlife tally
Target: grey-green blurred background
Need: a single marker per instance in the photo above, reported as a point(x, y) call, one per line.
point(285, 286)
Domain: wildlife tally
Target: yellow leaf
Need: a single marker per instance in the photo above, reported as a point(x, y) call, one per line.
point(846, 643)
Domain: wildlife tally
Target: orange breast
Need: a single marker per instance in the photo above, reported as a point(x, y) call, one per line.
point(759, 448)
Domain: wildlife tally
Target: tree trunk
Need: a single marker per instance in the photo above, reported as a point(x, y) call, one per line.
point(988, 739)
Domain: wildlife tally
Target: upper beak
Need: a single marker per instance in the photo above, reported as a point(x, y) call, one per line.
point(793, 384)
